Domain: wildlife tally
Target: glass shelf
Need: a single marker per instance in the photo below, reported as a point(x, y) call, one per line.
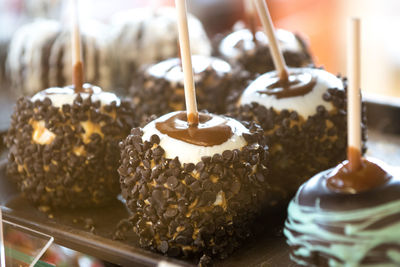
point(21, 246)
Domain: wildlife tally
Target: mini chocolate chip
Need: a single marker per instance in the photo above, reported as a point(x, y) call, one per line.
point(136, 131)
point(204, 175)
point(217, 158)
point(163, 246)
point(158, 151)
point(170, 213)
point(138, 147)
point(207, 185)
point(182, 240)
point(174, 163)
point(235, 187)
point(208, 197)
point(326, 96)
point(321, 110)
point(200, 166)
point(248, 137)
point(206, 159)
point(260, 177)
point(155, 139)
point(195, 186)
point(188, 167)
point(146, 163)
point(294, 115)
point(205, 261)
point(172, 182)
point(286, 123)
point(227, 155)
point(189, 179)
point(173, 251)
point(157, 197)
point(47, 102)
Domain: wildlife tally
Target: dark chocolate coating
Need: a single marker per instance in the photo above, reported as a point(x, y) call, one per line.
point(52, 174)
point(260, 61)
point(330, 200)
point(353, 229)
point(172, 204)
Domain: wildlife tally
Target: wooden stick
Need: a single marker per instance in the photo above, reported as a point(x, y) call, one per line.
point(77, 65)
point(250, 17)
point(266, 21)
point(2, 250)
point(354, 97)
point(190, 91)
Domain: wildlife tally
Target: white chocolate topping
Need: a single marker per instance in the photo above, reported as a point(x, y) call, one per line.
point(190, 153)
point(171, 69)
point(287, 41)
point(66, 95)
point(305, 105)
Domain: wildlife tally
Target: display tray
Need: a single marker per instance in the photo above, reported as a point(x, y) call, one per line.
point(91, 231)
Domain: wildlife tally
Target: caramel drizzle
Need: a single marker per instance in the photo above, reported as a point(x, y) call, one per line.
point(210, 130)
point(368, 176)
point(295, 84)
point(77, 77)
point(354, 157)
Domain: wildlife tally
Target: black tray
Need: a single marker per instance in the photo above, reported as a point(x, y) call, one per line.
point(265, 248)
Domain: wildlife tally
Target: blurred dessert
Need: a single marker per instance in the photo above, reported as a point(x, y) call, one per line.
point(40, 56)
point(143, 36)
point(253, 54)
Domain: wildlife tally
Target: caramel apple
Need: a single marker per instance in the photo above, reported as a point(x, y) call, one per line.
point(194, 189)
point(63, 146)
point(346, 218)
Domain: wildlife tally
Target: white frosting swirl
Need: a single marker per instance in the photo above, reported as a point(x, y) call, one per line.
point(190, 153)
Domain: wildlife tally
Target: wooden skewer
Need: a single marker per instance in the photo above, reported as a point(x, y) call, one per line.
point(2, 250)
point(266, 21)
point(190, 91)
point(250, 17)
point(77, 65)
point(354, 97)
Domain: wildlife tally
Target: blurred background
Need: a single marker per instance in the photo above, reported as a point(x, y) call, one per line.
point(322, 23)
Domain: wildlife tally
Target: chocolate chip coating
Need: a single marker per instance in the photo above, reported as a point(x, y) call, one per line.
point(206, 207)
point(301, 147)
point(75, 164)
point(163, 96)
